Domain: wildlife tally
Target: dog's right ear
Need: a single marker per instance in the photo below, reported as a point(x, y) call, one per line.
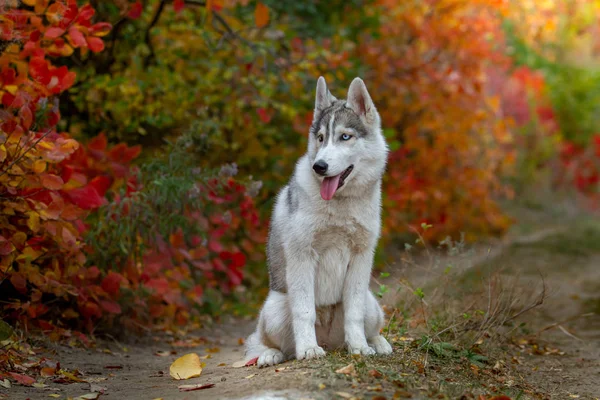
point(323, 98)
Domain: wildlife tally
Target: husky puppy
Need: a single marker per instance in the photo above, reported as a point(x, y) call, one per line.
point(323, 233)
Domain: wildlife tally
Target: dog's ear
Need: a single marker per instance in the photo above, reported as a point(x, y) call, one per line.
point(360, 102)
point(323, 98)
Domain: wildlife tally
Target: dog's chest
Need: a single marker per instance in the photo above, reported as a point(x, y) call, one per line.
point(335, 245)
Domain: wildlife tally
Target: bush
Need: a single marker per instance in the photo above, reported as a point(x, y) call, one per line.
point(178, 239)
point(448, 138)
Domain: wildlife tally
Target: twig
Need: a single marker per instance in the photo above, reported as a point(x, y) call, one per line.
point(147, 38)
point(20, 157)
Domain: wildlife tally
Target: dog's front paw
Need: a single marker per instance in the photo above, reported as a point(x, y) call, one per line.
point(380, 345)
point(309, 353)
point(270, 357)
point(364, 350)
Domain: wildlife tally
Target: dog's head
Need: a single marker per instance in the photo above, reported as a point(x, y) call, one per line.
point(346, 147)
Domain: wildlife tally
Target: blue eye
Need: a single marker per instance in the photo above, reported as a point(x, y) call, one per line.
point(345, 136)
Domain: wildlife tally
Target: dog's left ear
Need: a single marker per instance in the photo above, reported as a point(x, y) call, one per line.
point(360, 102)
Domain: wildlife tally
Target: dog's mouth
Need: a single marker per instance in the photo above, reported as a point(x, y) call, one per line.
point(332, 183)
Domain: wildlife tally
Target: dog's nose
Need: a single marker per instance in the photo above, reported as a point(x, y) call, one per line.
point(320, 167)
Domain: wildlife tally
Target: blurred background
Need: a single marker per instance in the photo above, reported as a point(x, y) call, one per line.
point(143, 142)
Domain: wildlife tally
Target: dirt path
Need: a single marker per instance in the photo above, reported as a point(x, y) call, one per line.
point(556, 354)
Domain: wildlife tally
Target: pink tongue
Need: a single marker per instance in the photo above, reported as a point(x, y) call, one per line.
point(329, 186)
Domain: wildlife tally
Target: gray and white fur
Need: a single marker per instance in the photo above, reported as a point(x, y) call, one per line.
point(323, 233)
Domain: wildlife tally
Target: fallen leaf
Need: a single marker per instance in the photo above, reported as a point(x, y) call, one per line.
point(222, 365)
point(239, 364)
point(88, 396)
point(5, 383)
point(47, 371)
point(250, 376)
point(375, 374)
point(39, 385)
point(22, 379)
point(347, 370)
point(241, 341)
point(55, 395)
point(162, 353)
point(213, 350)
point(97, 388)
point(70, 376)
point(186, 367)
point(344, 395)
point(199, 386)
point(322, 386)
point(206, 357)
point(280, 369)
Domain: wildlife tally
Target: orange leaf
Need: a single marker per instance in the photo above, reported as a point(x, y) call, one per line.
point(52, 182)
point(261, 15)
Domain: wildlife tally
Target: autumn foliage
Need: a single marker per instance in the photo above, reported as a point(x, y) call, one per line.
point(132, 132)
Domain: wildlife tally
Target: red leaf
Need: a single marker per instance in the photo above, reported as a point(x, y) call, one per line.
point(26, 116)
point(110, 306)
point(86, 197)
point(95, 44)
point(98, 143)
point(19, 283)
point(89, 310)
point(100, 29)
point(77, 37)
point(178, 5)
point(136, 10)
point(7, 99)
point(112, 283)
point(54, 32)
point(52, 182)
point(6, 247)
point(101, 184)
point(264, 115)
point(160, 285)
point(251, 362)
point(22, 379)
point(86, 13)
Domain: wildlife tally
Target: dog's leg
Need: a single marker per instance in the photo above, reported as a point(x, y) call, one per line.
point(273, 336)
point(356, 287)
point(300, 277)
point(374, 321)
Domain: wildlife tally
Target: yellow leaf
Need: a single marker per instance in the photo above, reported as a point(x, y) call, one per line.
point(261, 15)
point(186, 367)
point(55, 395)
point(30, 2)
point(33, 222)
point(12, 89)
point(39, 166)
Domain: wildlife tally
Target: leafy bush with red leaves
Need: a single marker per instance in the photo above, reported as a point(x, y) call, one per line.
point(83, 230)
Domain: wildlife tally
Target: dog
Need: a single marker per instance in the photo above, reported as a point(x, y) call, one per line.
point(323, 232)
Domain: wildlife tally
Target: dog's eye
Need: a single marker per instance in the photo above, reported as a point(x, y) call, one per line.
point(345, 136)
point(320, 138)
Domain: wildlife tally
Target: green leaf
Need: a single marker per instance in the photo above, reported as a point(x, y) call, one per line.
point(6, 330)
